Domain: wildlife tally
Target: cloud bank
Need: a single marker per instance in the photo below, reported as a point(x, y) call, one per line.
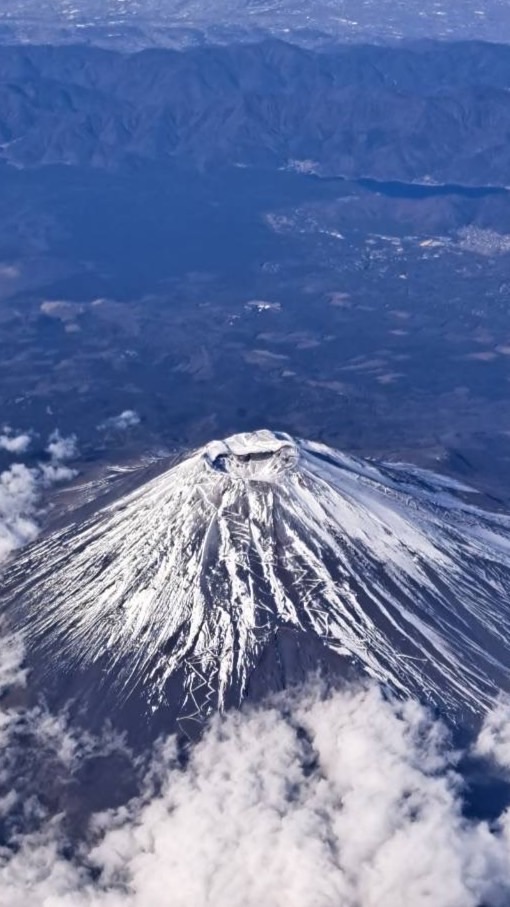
point(344, 800)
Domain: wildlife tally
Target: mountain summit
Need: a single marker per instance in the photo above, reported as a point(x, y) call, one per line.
point(259, 558)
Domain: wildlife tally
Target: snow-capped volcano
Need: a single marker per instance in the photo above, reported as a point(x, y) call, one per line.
point(178, 590)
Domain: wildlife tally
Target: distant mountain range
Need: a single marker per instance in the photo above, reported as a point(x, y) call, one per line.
point(427, 112)
point(133, 24)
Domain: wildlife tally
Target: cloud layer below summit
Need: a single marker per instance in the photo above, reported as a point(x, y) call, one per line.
point(346, 800)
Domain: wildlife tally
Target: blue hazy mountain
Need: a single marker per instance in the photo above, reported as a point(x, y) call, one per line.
point(424, 113)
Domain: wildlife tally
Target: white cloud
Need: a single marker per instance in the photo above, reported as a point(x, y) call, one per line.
point(54, 473)
point(14, 443)
point(18, 507)
point(62, 448)
point(494, 738)
point(126, 419)
point(40, 754)
point(342, 801)
point(20, 491)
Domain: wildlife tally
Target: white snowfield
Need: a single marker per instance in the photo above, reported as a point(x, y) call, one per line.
point(196, 570)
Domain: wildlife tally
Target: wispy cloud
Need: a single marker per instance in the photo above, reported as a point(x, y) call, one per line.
point(129, 418)
point(12, 653)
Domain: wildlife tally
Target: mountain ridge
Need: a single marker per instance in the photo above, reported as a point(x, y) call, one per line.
point(421, 112)
point(176, 594)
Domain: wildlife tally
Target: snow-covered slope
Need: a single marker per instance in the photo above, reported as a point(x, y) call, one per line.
point(193, 574)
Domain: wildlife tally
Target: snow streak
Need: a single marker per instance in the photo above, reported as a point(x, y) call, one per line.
point(196, 570)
